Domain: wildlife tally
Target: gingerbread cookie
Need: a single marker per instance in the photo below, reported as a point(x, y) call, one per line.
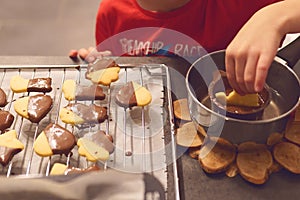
point(33, 108)
point(6, 120)
point(104, 71)
point(54, 139)
point(9, 146)
point(217, 155)
point(91, 150)
point(3, 100)
point(181, 109)
point(288, 155)
point(133, 94)
point(292, 132)
point(72, 91)
point(188, 136)
point(77, 113)
point(254, 162)
point(19, 84)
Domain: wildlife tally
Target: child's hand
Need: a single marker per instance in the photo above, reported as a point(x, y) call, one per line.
point(89, 55)
point(250, 54)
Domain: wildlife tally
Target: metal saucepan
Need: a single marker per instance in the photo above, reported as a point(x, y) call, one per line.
point(284, 88)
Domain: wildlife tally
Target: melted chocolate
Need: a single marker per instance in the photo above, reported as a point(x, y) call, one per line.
point(60, 139)
point(101, 64)
point(90, 114)
point(38, 107)
point(6, 154)
point(74, 170)
point(126, 96)
point(3, 100)
point(39, 85)
point(93, 92)
point(6, 119)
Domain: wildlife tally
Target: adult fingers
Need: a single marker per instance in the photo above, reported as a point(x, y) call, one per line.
point(262, 68)
point(250, 73)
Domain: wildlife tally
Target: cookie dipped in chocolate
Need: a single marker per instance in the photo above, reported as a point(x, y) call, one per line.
point(6, 154)
point(6, 120)
point(38, 107)
point(126, 96)
point(3, 100)
point(39, 85)
point(61, 140)
point(102, 139)
point(93, 92)
point(100, 65)
point(90, 114)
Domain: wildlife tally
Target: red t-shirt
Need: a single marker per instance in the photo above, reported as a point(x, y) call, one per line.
point(198, 26)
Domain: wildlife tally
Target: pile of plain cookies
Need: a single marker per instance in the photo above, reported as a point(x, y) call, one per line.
point(35, 104)
point(252, 161)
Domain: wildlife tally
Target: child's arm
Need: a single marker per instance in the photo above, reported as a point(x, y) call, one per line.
point(250, 54)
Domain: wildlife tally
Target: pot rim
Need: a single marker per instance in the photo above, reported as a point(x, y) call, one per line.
point(226, 118)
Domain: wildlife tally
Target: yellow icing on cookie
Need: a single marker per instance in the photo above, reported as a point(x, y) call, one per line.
point(92, 151)
point(9, 139)
point(69, 88)
point(19, 84)
point(21, 107)
point(69, 117)
point(143, 96)
point(41, 145)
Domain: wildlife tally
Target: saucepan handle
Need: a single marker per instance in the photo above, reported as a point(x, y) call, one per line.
point(291, 53)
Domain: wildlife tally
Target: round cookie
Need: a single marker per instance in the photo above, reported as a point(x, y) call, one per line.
point(188, 136)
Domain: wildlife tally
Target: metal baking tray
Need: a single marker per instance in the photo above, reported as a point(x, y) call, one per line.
point(139, 133)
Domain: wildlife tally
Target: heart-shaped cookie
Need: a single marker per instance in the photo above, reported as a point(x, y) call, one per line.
point(9, 146)
point(91, 150)
point(104, 71)
point(18, 84)
point(188, 136)
point(288, 155)
point(102, 139)
point(133, 94)
point(254, 162)
point(77, 113)
point(54, 139)
point(33, 108)
point(72, 91)
point(6, 119)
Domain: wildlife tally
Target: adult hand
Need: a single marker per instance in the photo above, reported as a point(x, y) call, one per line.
point(89, 55)
point(251, 52)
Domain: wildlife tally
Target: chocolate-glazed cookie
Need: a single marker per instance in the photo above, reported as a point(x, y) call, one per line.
point(100, 65)
point(54, 139)
point(39, 85)
point(3, 100)
point(102, 139)
point(77, 113)
point(6, 119)
point(93, 92)
point(6, 154)
point(133, 94)
point(38, 107)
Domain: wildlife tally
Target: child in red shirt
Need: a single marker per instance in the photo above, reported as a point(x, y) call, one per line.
point(194, 27)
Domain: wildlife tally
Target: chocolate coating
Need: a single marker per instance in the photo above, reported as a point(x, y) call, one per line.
point(101, 64)
point(90, 114)
point(60, 139)
point(6, 154)
point(93, 92)
point(39, 85)
point(6, 120)
point(3, 100)
point(38, 107)
point(103, 140)
point(126, 96)
point(74, 170)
